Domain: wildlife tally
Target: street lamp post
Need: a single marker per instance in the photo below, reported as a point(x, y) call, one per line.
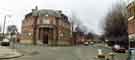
point(13, 39)
point(4, 24)
point(35, 15)
point(72, 28)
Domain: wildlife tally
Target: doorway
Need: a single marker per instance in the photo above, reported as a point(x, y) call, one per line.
point(45, 35)
point(45, 38)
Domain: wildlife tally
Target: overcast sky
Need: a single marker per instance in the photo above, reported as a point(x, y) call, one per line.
point(90, 12)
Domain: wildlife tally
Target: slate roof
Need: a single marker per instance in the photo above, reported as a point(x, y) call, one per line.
point(45, 12)
point(49, 12)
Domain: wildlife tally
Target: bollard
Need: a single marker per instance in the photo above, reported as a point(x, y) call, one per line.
point(100, 52)
point(101, 56)
point(112, 55)
point(107, 57)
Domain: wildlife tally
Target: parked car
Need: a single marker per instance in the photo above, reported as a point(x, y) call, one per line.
point(86, 43)
point(92, 42)
point(5, 42)
point(118, 48)
point(131, 54)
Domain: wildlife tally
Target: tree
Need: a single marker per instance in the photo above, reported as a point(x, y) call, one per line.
point(116, 25)
point(90, 35)
point(102, 37)
point(79, 30)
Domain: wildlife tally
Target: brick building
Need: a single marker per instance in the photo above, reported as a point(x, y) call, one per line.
point(79, 36)
point(131, 19)
point(52, 27)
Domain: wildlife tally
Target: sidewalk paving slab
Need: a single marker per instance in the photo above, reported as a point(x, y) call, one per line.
point(7, 53)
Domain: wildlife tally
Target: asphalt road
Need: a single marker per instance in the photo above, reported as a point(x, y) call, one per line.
point(63, 53)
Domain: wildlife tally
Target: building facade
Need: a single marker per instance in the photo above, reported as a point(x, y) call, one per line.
point(52, 27)
point(131, 19)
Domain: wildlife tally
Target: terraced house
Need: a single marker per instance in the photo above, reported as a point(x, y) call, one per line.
point(46, 26)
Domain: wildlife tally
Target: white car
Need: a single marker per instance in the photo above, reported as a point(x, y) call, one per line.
point(92, 42)
point(86, 43)
point(118, 48)
point(5, 42)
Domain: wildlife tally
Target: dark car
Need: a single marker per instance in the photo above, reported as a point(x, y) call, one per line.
point(118, 48)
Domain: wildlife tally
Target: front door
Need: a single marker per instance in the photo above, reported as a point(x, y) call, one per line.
point(45, 34)
point(45, 38)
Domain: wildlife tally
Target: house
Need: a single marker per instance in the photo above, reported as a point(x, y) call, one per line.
point(131, 19)
point(46, 26)
point(131, 23)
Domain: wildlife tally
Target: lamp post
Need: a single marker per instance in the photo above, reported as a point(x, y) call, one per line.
point(13, 39)
point(35, 15)
point(5, 17)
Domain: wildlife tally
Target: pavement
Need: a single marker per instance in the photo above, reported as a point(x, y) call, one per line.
point(32, 52)
point(117, 56)
point(7, 53)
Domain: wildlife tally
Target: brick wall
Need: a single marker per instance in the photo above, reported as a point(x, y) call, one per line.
point(27, 27)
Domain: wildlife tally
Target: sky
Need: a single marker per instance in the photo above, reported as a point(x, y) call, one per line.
point(90, 12)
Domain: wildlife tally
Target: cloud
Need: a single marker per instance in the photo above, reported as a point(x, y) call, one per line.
point(90, 12)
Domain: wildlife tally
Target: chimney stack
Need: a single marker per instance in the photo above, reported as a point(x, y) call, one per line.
point(36, 8)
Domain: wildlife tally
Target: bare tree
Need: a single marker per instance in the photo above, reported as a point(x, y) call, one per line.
point(75, 20)
point(116, 24)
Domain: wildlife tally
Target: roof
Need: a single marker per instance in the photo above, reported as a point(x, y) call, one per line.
point(65, 18)
point(45, 12)
point(131, 4)
point(49, 12)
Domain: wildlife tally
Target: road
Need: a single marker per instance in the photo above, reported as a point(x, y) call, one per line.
point(62, 53)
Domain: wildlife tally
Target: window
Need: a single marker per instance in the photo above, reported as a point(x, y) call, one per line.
point(54, 21)
point(45, 20)
point(60, 22)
